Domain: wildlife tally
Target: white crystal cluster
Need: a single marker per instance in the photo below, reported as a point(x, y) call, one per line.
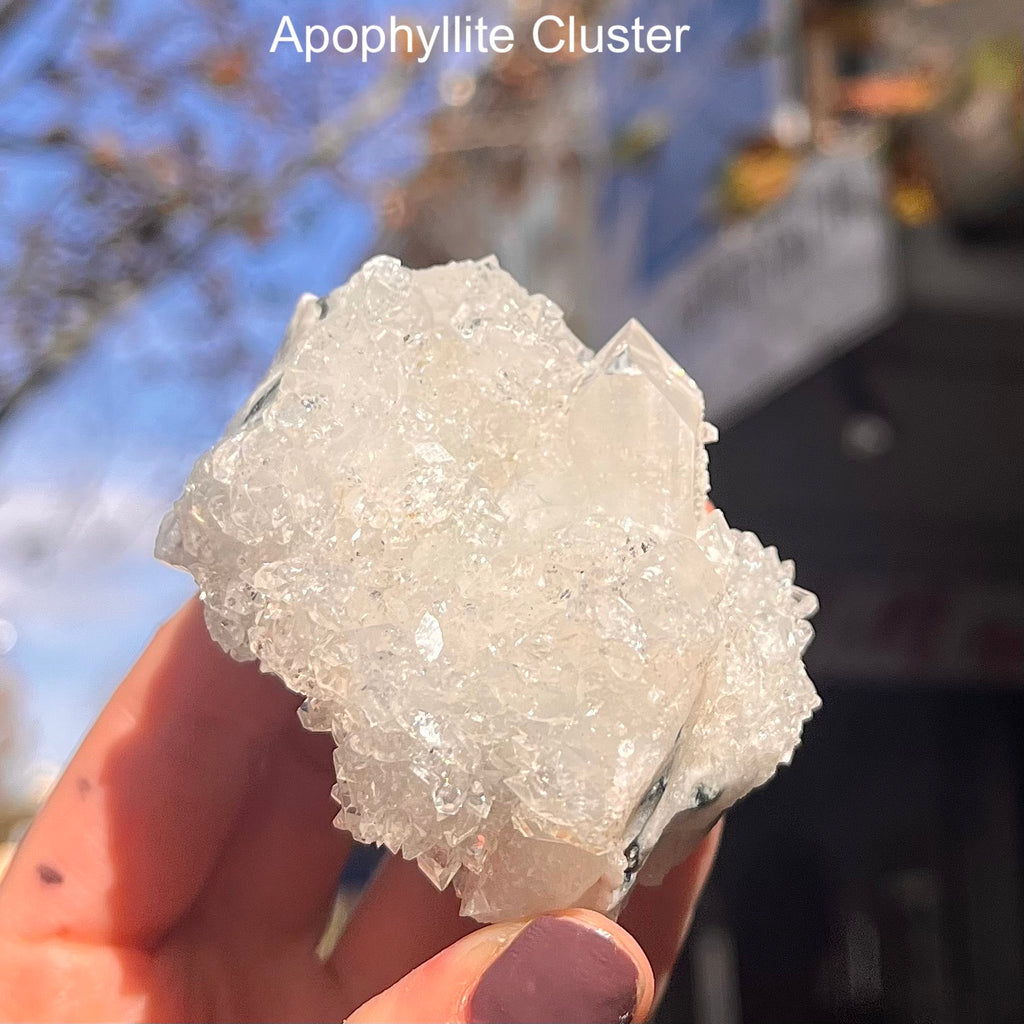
point(484, 556)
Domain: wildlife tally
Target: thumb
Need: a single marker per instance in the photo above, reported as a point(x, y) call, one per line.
point(574, 966)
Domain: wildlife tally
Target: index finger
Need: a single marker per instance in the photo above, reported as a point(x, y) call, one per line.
point(133, 831)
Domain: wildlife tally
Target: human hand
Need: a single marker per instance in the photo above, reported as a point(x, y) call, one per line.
point(185, 864)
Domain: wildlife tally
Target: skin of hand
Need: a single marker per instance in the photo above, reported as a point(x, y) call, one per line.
point(184, 866)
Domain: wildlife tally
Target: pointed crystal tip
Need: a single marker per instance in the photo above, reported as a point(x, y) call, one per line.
point(632, 349)
point(638, 421)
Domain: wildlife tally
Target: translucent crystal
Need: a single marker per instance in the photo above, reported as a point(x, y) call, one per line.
point(484, 555)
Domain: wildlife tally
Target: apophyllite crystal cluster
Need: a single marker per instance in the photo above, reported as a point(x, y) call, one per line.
point(484, 555)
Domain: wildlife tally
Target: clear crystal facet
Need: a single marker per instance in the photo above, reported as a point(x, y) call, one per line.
point(485, 558)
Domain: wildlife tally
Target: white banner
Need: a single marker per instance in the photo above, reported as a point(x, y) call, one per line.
point(770, 298)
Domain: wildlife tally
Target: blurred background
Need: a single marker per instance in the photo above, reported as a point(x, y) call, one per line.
point(817, 207)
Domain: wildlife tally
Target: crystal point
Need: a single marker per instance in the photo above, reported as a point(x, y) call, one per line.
point(484, 557)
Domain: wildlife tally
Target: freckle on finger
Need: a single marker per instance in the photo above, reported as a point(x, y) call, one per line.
point(49, 875)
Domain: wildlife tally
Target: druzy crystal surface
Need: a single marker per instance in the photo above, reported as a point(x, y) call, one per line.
point(485, 557)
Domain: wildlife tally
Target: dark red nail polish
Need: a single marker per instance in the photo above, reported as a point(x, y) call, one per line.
point(557, 971)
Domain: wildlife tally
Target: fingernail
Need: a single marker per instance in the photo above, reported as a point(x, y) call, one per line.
point(557, 971)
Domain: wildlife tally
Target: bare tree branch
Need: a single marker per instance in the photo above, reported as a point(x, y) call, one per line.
point(135, 216)
point(11, 11)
